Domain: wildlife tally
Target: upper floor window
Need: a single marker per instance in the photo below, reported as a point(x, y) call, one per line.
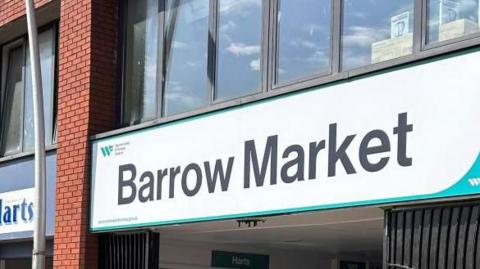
point(239, 48)
point(186, 56)
point(181, 55)
point(376, 30)
point(191, 55)
point(303, 39)
point(449, 19)
point(17, 131)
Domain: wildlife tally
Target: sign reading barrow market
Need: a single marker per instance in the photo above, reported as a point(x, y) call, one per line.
point(404, 135)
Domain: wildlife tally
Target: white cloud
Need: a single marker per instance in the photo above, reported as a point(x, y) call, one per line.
point(363, 37)
point(255, 65)
point(179, 45)
point(318, 57)
point(240, 49)
point(178, 94)
point(228, 26)
point(228, 6)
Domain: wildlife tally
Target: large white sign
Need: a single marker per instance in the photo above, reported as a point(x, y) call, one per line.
point(406, 134)
point(16, 211)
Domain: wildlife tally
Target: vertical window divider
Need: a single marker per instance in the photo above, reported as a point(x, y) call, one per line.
point(3, 95)
point(272, 47)
point(5, 70)
point(55, 83)
point(336, 32)
point(265, 53)
point(419, 24)
point(424, 23)
point(212, 50)
point(160, 58)
point(123, 17)
point(24, 86)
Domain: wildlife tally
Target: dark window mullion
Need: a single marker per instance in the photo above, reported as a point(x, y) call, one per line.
point(419, 25)
point(24, 86)
point(336, 35)
point(212, 50)
point(55, 85)
point(273, 46)
point(264, 51)
point(161, 64)
point(424, 24)
point(123, 17)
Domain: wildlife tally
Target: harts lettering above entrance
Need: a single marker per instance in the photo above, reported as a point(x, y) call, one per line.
point(269, 164)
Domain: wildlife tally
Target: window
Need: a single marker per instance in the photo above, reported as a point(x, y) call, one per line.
point(239, 49)
point(376, 30)
point(17, 131)
point(140, 89)
point(183, 57)
point(186, 46)
point(303, 39)
point(448, 19)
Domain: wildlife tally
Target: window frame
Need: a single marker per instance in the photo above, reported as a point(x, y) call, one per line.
point(7, 49)
point(213, 50)
point(22, 41)
point(439, 44)
point(420, 51)
point(333, 67)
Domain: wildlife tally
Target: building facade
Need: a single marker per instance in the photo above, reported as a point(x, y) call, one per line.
point(245, 134)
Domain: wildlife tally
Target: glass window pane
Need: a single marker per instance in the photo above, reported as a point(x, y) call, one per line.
point(186, 51)
point(376, 30)
point(304, 39)
point(238, 48)
point(47, 62)
point(140, 93)
point(449, 19)
point(13, 103)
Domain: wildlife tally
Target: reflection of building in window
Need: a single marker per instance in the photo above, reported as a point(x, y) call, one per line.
point(454, 19)
point(400, 42)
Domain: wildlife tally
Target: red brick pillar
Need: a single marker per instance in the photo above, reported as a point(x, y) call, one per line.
point(86, 106)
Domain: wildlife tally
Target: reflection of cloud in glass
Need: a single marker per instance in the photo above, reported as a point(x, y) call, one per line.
point(237, 6)
point(318, 57)
point(179, 45)
point(228, 26)
point(468, 5)
point(240, 49)
point(359, 15)
point(182, 97)
point(255, 65)
point(359, 36)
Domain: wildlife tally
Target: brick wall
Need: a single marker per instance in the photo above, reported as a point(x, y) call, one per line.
point(86, 106)
point(11, 10)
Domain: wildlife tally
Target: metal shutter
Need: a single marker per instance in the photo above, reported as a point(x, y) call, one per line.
point(436, 237)
point(129, 251)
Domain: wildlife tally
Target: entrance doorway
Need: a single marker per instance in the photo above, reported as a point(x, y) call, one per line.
point(336, 239)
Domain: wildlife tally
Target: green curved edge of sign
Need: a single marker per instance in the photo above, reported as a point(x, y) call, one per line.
point(469, 184)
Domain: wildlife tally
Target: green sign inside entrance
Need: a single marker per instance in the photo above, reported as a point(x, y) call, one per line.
point(239, 260)
point(352, 265)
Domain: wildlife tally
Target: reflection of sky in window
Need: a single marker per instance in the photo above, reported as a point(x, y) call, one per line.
point(140, 100)
point(366, 22)
point(47, 64)
point(239, 48)
point(462, 9)
point(303, 38)
point(186, 74)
